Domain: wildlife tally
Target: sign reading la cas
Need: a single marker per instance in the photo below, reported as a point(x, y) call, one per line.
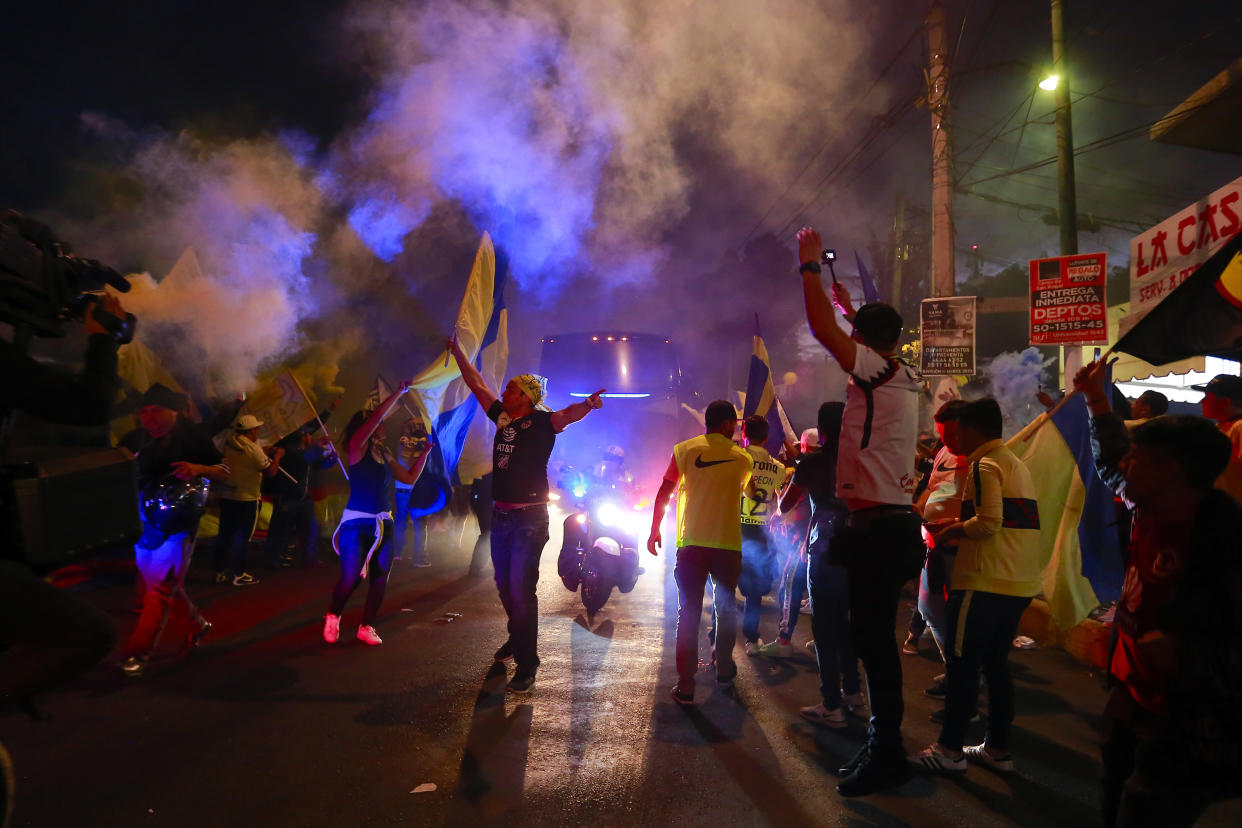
point(1161, 258)
point(1067, 300)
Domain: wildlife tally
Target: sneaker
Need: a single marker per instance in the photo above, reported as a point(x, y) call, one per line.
point(776, 649)
point(680, 696)
point(939, 689)
point(810, 645)
point(134, 666)
point(286, 561)
point(505, 653)
point(421, 564)
point(244, 579)
point(911, 645)
point(938, 716)
point(752, 647)
point(982, 754)
point(863, 755)
point(222, 578)
point(368, 635)
point(520, 684)
point(938, 759)
point(198, 632)
point(331, 628)
point(805, 608)
point(823, 716)
point(875, 774)
point(854, 702)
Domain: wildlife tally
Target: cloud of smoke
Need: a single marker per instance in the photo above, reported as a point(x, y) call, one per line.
point(1013, 380)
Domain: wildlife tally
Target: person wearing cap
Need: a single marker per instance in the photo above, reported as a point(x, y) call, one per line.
point(167, 447)
point(239, 497)
point(710, 473)
point(880, 544)
point(1222, 403)
point(525, 432)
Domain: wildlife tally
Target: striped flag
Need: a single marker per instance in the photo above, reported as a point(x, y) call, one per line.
point(761, 397)
point(1078, 530)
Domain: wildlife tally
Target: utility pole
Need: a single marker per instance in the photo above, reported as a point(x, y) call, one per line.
point(943, 274)
point(1067, 203)
point(899, 249)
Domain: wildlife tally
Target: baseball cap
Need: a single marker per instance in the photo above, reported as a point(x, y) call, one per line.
point(246, 422)
point(1222, 385)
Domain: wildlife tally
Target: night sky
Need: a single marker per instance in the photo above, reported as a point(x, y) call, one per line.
point(94, 86)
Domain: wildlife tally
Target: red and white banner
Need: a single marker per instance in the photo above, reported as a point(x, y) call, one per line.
point(1161, 258)
point(1067, 300)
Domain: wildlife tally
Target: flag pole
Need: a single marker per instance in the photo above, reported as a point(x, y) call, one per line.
point(1047, 415)
point(319, 420)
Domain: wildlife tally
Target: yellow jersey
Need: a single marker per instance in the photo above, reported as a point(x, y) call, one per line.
point(714, 471)
point(767, 479)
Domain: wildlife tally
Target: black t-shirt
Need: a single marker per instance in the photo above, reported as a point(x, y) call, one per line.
point(185, 442)
point(816, 474)
point(520, 456)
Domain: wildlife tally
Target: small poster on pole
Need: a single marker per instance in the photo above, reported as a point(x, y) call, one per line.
point(948, 336)
point(1067, 300)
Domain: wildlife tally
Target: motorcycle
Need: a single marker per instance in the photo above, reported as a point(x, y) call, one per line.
point(599, 551)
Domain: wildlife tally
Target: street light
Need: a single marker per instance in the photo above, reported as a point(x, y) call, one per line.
point(1049, 83)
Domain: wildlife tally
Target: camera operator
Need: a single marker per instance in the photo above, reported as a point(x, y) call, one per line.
point(48, 636)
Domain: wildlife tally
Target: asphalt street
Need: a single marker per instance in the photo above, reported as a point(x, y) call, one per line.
point(267, 725)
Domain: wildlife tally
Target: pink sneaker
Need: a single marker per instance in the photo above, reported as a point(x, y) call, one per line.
point(368, 635)
point(331, 628)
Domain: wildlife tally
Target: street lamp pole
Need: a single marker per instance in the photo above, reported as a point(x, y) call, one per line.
point(1066, 201)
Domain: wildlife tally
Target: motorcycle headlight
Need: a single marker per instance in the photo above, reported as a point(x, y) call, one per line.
point(607, 514)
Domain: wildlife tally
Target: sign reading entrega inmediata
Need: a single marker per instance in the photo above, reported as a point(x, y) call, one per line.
point(1067, 300)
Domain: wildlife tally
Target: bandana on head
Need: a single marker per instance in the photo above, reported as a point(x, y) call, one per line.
point(534, 387)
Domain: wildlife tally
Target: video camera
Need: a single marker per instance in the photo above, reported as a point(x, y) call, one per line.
point(57, 502)
point(42, 286)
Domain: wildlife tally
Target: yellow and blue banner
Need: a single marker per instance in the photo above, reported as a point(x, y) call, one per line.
point(1078, 518)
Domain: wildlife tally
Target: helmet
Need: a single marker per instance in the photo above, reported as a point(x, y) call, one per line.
point(174, 505)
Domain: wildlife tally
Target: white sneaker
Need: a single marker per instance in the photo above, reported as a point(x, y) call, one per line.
point(368, 635)
point(936, 759)
point(331, 628)
point(823, 716)
point(980, 753)
point(752, 647)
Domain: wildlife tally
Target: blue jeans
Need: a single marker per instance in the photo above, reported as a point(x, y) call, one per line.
point(401, 498)
point(933, 583)
point(694, 565)
point(292, 516)
point(353, 542)
point(830, 625)
point(758, 570)
point(518, 538)
point(793, 586)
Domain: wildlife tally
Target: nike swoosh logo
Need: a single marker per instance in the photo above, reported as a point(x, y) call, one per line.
point(698, 462)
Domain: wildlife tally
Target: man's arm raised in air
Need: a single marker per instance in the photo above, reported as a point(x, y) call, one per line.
point(671, 476)
point(471, 376)
point(574, 413)
point(819, 313)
